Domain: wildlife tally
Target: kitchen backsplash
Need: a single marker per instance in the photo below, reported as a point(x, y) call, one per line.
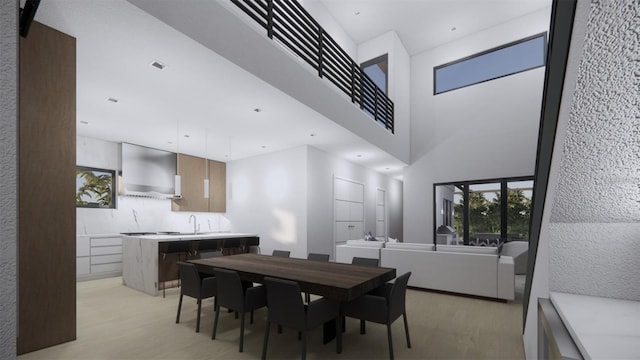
point(136, 214)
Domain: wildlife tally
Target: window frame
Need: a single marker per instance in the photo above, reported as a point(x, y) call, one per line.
point(377, 60)
point(544, 35)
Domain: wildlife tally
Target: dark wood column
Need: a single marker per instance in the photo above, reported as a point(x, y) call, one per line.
point(46, 196)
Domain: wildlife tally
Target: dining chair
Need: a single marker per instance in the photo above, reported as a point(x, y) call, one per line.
point(281, 253)
point(206, 246)
point(285, 308)
point(195, 286)
point(365, 261)
point(383, 309)
point(236, 296)
point(168, 251)
point(251, 244)
point(232, 246)
point(315, 257)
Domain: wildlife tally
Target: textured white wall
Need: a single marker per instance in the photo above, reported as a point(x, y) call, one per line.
point(589, 236)
point(8, 176)
point(595, 242)
point(487, 130)
point(322, 167)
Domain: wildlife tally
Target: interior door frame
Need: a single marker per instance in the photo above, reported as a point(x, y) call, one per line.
point(364, 209)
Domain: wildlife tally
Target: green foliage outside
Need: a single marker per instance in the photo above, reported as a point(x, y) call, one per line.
point(95, 190)
point(484, 215)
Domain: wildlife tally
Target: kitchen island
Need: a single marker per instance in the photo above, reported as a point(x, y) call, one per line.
point(141, 255)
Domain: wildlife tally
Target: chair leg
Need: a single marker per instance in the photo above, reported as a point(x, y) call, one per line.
point(390, 341)
point(307, 297)
point(363, 327)
point(304, 345)
point(241, 330)
point(266, 340)
point(406, 329)
point(215, 322)
point(198, 319)
point(251, 321)
point(179, 308)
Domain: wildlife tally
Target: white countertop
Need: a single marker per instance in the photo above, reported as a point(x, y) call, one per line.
point(602, 328)
point(200, 236)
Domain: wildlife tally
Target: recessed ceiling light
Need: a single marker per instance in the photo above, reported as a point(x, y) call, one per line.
point(453, 28)
point(257, 110)
point(387, 168)
point(187, 135)
point(312, 134)
point(358, 155)
point(264, 146)
point(169, 142)
point(113, 100)
point(158, 65)
point(84, 122)
point(356, 13)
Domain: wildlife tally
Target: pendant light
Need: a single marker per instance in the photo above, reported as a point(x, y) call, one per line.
point(206, 159)
point(177, 182)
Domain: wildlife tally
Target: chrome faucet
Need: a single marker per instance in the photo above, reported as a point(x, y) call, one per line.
point(195, 229)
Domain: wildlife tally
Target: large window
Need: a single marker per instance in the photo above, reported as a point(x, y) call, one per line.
point(512, 58)
point(376, 69)
point(487, 212)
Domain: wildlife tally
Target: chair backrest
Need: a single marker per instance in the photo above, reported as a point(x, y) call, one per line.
point(397, 296)
point(208, 245)
point(178, 247)
point(281, 253)
point(365, 261)
point(284, 303)
point(318, 257)
point(230, 291)
point(252, 241)
point(210, 254)
point(189, 279)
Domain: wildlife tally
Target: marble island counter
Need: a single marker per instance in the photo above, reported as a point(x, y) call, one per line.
point(147, 267)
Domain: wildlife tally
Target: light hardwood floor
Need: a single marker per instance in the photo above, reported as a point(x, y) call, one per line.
point(115, 322)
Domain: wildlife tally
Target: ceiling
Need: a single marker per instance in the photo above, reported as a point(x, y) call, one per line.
point(203, 105)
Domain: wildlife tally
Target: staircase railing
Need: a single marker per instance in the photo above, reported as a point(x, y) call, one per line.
point(290, 24)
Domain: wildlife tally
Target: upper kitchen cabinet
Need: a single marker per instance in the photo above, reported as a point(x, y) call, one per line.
point(217, 186)
point(193, 171)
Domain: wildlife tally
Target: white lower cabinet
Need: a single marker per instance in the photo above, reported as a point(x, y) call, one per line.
point(98, 256)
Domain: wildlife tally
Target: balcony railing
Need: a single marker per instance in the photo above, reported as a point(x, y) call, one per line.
point(290, 24)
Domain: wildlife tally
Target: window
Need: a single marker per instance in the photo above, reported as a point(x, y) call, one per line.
point(95, 188)
point(481, 216)
point(509, 59)
point(376, 69)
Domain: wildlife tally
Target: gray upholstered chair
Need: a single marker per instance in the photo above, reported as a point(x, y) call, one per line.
point(281, 253)
point(383, 309)
point(286, 309)
point(365, 261)
point(195, 286)
point(237, 296)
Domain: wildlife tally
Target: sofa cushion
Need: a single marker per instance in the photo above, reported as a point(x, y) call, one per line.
point(364, 243)
point(468, 249)
point(410, 246)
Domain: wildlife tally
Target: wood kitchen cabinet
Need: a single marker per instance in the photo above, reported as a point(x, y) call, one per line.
point(193, 171)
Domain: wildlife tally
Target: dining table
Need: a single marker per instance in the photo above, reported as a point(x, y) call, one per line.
point(335, 281)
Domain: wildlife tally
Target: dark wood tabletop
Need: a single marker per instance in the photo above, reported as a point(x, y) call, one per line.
point(337, 281)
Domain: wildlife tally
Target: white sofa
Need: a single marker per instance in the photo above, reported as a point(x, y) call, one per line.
point(358, 248)
point(519, 251)
point(453, 268)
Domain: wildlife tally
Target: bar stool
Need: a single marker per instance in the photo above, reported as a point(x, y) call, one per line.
point(169, 254)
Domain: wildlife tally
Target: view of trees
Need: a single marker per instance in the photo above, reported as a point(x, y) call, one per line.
point(94, 189)
point(484, 215)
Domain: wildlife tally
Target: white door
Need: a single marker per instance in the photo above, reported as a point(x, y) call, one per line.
point(381, 213)
point(348, 210)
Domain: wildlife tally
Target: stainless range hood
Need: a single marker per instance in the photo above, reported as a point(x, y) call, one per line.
point(148, 172)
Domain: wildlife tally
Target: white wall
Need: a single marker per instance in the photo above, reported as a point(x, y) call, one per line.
point(133, 214)
point(268, 195)
point(8, 176)
point(398, 78)
point(487, 130)
point(322, 167)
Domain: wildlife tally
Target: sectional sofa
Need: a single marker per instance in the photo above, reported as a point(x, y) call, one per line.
point(460, 269)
